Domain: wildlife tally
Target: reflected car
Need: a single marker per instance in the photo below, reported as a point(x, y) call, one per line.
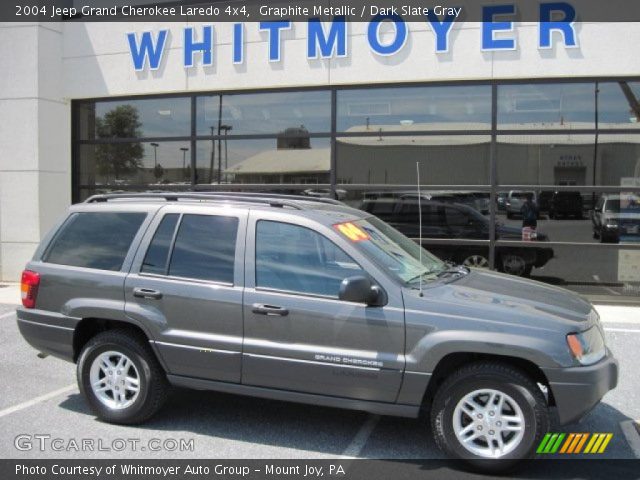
point(566, 204)
point(515, 200)
point(544, 198)
point(445, 221)
point(501, 201)
point(616, 218)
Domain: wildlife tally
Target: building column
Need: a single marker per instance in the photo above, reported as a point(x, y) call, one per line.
point(35, 140)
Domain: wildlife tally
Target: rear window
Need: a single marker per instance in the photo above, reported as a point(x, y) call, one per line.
point(97, 240)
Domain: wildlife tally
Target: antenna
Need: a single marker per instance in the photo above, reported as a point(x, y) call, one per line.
point(419, 221)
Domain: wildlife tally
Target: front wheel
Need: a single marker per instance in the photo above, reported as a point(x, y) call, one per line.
point(121, 378)
point(489, 411)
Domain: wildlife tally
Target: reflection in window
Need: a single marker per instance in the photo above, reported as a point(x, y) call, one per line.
point(95, 240)
point(161, 117)
point(156, 164)
point(619, 104)
point(293, 160)
point(294, 258)
point(415, 108)
point(568, 159)
point(264, 113)
point(205, 248)
point(452, 160)
point(565, 105)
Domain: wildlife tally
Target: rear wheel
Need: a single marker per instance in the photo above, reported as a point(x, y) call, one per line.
point(121, 378)
point(477, 261)
point(514, 264)
point(489, 411)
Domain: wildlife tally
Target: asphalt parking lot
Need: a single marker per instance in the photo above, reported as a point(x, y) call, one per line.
point(40, 397)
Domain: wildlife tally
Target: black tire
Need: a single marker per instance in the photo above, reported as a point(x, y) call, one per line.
point(497, 376)
point(152, 379)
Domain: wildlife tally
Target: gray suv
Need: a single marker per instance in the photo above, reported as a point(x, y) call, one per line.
point(306, 300)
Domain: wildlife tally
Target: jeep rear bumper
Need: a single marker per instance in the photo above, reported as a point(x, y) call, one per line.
point(47, 333)
point(577, 390)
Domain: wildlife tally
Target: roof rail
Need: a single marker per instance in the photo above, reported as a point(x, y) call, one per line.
point(274, 200)
point(282, 196)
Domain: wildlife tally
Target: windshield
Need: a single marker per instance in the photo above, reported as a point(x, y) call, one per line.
point(391, 250)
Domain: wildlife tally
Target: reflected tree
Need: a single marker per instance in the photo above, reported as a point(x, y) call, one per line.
point(119, 159)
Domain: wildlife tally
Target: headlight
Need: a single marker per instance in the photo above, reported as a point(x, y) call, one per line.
point(587, 347)
point(612, 225)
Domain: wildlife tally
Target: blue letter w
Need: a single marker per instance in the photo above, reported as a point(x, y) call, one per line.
point(147, 49)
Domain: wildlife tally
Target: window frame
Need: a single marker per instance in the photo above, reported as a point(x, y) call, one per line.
point(181, 212)
point(43, 256)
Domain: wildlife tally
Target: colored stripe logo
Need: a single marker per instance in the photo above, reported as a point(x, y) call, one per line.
point(574, 443)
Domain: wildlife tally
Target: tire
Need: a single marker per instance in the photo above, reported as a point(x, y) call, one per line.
point(126, 406)
point(476, 261)
point(514, 264)
point(509, 215)
point(516, 388)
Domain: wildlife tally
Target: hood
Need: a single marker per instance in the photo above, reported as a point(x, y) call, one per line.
point(502, 298)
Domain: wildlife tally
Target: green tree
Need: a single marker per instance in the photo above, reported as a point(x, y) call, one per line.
point(119, 159)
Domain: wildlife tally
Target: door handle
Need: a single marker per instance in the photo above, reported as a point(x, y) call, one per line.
point(147, 293)
point(269, 310)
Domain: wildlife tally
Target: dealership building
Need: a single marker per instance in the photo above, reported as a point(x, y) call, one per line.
point(487, 112)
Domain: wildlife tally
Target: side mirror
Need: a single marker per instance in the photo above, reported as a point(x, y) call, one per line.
point(359, 289)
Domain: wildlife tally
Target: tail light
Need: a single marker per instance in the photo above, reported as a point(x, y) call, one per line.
point(29, 288)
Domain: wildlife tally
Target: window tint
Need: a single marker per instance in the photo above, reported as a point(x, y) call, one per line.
point(95, 240)
point(293, 258)
point(155, 261)
point(456, 218)
point(205, 248)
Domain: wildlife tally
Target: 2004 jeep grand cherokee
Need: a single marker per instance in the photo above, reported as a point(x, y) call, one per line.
point(306, 300)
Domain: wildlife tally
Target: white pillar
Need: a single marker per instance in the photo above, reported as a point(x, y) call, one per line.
point(35, 140)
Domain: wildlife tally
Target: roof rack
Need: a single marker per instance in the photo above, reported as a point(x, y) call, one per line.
point(271, 199)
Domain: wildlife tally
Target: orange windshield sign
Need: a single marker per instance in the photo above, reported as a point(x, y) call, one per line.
point(352, 231)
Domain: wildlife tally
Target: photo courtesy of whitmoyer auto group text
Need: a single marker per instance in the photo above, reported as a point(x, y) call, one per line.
point(319, 239)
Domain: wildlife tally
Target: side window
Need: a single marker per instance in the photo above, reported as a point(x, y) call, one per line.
point(456, 218)
point(205, 248)
point(297, 259)
point(155, 261)
point(95, 240)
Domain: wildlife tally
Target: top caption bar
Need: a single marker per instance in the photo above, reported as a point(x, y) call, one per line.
point(559, 11)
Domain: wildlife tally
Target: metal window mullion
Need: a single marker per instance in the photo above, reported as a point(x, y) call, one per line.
point(333, 170)
point(193, 142)
point(493, 180)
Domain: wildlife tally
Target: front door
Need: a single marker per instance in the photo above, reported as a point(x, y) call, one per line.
point(298, 335)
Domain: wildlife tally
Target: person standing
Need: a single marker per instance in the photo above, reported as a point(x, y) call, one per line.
point(529, 211)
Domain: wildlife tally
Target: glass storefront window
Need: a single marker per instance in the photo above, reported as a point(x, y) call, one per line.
point(414, 109)
point(619, 105)
point(568, 159)
point(122, 165)
point(573, 216)
point(584, 239)
point(543, 105)
point(444, 160)
point(264, 113)
point(302, 161)
point(156, 117)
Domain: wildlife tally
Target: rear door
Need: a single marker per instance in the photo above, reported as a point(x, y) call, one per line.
point(298, 335)
point(186, 285)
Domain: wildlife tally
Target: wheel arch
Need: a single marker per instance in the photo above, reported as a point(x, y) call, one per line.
point(453, 361)
point(87, 328)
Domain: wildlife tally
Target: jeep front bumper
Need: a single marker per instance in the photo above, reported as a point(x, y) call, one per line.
point(577, 390)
